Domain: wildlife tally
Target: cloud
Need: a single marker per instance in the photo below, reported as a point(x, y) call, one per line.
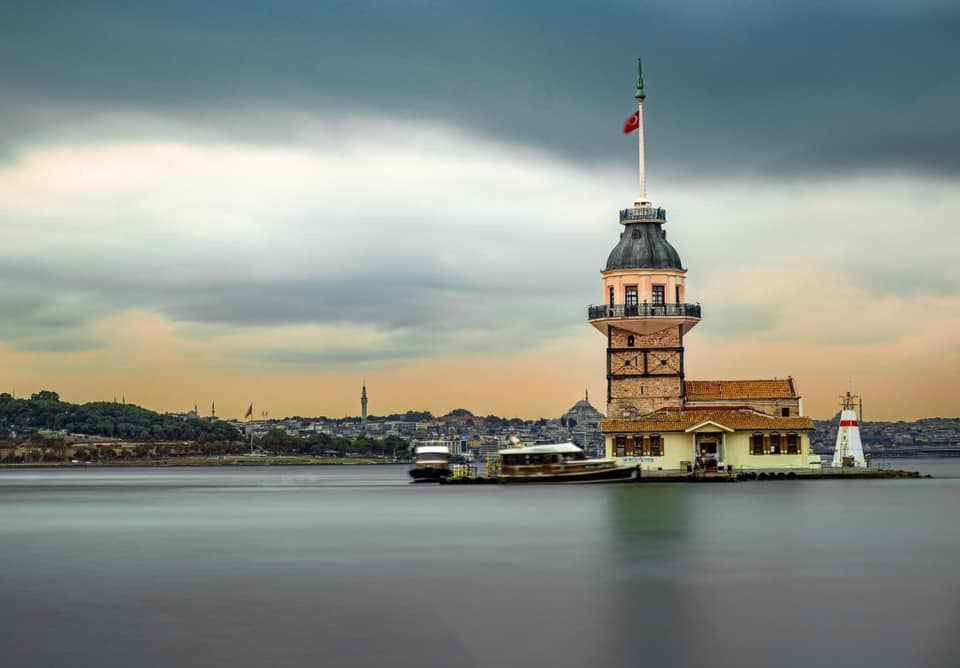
point(757, 88)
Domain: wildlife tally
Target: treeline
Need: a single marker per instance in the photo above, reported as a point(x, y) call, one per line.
point(278, 441)
point(44, 410)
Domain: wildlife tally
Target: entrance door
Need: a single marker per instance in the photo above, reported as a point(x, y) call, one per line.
point(707, 452)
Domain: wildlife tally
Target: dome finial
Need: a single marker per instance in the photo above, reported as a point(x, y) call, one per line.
point(640, 94)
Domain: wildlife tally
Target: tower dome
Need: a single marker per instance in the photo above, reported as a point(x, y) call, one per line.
point(643, 246)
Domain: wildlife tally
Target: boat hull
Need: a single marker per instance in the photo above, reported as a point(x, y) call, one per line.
point(429, 473)
point(615, 474)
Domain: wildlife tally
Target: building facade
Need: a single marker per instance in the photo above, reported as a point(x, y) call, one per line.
point(654, 414)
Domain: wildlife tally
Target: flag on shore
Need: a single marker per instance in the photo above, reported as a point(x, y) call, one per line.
point(249, 412)
point(632, 123)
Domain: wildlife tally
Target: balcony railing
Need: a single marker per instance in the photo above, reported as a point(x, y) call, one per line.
point(643, 310)
point(645, 213)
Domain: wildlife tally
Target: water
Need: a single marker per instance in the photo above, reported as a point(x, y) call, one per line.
point(352, 566)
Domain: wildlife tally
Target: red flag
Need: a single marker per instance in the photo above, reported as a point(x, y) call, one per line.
point(632, 123)
point(249, 412)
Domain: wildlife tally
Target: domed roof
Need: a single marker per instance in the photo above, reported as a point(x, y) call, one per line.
point(643, 246)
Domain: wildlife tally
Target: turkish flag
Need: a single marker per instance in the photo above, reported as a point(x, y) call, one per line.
point(249, 412)
point(632, 123)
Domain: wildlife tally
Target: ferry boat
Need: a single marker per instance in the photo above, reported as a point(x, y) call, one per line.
point(431, 464)
point(560, 462)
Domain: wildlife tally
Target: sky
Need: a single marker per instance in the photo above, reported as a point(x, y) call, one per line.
point(274, 202)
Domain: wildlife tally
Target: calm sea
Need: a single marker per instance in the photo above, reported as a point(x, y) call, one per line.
point(352, 566)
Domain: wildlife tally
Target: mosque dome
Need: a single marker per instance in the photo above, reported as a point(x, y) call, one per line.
point(643, 246)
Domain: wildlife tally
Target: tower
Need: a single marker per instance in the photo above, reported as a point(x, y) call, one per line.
point(363, 403)
point(849, 449)
point(643, 314)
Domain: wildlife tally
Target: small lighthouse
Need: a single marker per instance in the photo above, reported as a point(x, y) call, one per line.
point(849, 449)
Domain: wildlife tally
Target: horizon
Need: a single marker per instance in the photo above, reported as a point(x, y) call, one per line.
point(274, 206)
point(374, 416)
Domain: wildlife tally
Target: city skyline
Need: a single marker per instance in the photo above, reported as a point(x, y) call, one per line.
point(272, 208)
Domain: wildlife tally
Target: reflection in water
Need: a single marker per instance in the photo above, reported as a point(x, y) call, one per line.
point(355, 567)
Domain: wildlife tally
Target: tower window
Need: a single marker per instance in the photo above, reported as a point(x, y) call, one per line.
point(630, 295)
point(784, 412)
point(635, 234)
point(677, 288)
point(630, 341)
point(658, 294)
point(611, 296)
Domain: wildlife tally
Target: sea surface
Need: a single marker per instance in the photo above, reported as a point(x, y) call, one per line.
point(352, 566)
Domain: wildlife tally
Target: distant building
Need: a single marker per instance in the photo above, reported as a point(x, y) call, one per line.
point(582, 421)
point(363, 403)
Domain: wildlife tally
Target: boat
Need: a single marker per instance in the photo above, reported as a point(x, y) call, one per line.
point(560, 462)
point(431, 464)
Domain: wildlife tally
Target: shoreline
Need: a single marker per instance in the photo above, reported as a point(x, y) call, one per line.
point(196, 462)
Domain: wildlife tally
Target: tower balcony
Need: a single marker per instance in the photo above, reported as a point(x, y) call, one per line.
point(643, 318)
point(647, 214)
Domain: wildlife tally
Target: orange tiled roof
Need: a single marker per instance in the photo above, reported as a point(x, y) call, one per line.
point(740, 389)
point(739, 419)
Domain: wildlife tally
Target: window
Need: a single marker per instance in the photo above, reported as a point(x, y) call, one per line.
point(633, 413)
point(630, 295)
point(656, 449)
point(658, 295)
point(630, 341)
point(793, 444)
point(630, 451)
point(621, 442)
point(611, 296)
point(756, 444)
point(775, 444)
point(784, 412)
point(677, 290)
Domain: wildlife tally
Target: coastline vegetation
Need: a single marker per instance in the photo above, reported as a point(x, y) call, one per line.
point(45, 431)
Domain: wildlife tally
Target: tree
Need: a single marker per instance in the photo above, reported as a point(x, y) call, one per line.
point(45, 395)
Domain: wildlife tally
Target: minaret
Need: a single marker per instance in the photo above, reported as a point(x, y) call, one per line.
point(363, 403)
point(643, 314)
point(213, 409)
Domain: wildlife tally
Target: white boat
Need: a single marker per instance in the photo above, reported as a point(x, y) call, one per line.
point(431, 464)
point(560, 462)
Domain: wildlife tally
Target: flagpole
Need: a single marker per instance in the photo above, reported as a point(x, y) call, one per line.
point(641, 162)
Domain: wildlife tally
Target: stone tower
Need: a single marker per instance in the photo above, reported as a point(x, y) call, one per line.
point(363, 403)
point(644, 313)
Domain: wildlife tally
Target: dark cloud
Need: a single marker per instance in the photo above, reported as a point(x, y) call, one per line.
point(755, 87)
